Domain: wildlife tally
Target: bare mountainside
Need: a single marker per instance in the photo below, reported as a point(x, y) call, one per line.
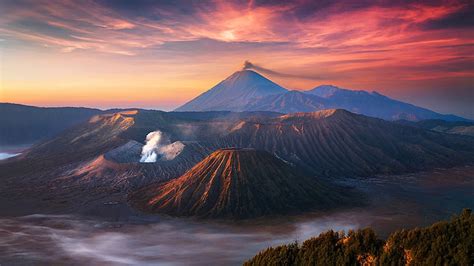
point(89, 165)
point(22, 124)
point(238, 183)
point(233, 93)
point(99, 161)
point(451, 127)
point(249, 91)
point(339, 143)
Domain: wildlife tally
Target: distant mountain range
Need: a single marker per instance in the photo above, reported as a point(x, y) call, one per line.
point(25, 125)
point(247, 90)
point(22, 124)
point(451, 127)
point(243, 91)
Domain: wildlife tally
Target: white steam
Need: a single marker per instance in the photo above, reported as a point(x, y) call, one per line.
point(155, 149)
point(149, 149)
point(170, 151)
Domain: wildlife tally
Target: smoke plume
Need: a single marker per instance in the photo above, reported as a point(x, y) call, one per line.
point(250, 65)
point(148, 151)
point(155, 149)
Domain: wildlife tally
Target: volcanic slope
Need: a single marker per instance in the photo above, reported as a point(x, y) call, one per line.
point(92, 163)
point(289, 102)
point(339, 143)
point(23, 124)
point(247, 90)
point(450, 127)
point(238, 183)
point(233, 93)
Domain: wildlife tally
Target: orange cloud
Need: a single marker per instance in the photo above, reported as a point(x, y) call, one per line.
point(387, 46)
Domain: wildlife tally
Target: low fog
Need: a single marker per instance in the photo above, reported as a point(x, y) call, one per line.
point(396, 202)
point(168, 241)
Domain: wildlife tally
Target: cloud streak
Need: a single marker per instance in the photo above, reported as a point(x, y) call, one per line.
point(105, 27)
point(375, 44)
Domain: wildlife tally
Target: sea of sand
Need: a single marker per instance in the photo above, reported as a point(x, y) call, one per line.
point(395, 202)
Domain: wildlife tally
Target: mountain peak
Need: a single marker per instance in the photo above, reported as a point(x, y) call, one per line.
point(231, 183)
point(234, 93)
point(324, 91)
point(246, 76)
point(247, 90)
point(245, 72)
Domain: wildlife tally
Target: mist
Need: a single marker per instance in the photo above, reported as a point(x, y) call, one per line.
point(4, 155)
point(80, 240)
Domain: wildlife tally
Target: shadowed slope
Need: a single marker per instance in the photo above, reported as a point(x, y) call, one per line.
point(233, 93)
point(90, 164)
point(237, 183)
point(337, 143)
point(22, 124)
point(450, 127)
point(289, 102)
point(375, 104)
point(249, 91)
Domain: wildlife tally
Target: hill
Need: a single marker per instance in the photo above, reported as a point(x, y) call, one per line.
point(443, 243)
point(339, 143)
point(238, 183)
point(22, 124)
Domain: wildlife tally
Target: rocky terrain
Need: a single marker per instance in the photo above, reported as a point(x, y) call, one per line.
point(239, 183)
point(339, 143)
point(98, 161)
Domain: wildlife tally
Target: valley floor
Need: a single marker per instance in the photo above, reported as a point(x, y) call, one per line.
point(120, 236)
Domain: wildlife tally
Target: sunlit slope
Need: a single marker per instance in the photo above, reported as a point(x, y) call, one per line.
point(238, 183)
point(339, 143)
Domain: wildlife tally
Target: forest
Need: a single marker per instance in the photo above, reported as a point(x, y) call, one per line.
point(443, 243)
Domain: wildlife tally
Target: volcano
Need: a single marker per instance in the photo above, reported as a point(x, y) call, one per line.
point(238, 183)
point(233, 93)
point(336, 142)
point(98, 161)
point(289, 102)
point(247, 90)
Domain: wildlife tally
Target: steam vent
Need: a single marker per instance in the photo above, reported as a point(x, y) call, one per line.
point(237, 184)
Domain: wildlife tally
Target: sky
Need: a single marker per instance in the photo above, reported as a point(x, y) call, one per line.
point(160, 54)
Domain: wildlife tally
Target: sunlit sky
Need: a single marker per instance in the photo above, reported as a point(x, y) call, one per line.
point(159, 54)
